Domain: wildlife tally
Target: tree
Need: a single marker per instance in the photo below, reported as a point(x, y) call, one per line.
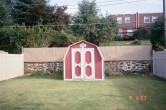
point(4, 14)
point(33, 12)
point(142, 33)
point(12, 39)
point(22, 11)
point(39, 36)
point(157, 35)
point(7, 2)
point(107, 29)
point(87, 23)
point(58, 18)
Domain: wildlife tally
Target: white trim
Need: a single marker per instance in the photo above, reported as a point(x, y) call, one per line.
point(74, 65)
point(98, 79)
point(92, 64)
point(83, 63)
point(102, 57)
point(153, 59)
point(83, 80)
point(71, 80)
point(64, 70)
point(83, 41)
point(103, 70)
point(102, 61)
point(66, 53)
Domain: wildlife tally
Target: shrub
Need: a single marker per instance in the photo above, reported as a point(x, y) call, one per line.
point(59, 73)
point(12, 39)
point(141, 33)
point(136, 42)
point(157, 35)
point(107, 73)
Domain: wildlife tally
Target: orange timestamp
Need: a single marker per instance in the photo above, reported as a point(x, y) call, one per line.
point(138, 98)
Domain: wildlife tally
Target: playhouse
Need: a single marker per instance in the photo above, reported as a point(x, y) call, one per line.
point(83, 61)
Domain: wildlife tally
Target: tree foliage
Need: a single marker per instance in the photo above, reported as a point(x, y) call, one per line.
point(4, 14)
point(87, 23)
point(157, 35)
point(59, 18)
point(142, 33)
point(14, 38)
point(37, 24)
point(38, 36)
point(29, 12)
point(32, 12)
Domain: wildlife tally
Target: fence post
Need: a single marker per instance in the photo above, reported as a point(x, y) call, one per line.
point(6, 63)
point(153, 61)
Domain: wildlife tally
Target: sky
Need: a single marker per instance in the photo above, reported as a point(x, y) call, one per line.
point(115, 6)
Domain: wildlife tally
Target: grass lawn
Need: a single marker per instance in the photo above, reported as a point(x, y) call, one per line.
point(47, 93)
point(121, 43)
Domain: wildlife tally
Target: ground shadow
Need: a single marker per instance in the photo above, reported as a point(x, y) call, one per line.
point(38, 75)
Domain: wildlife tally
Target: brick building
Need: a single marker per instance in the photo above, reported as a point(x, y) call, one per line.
point(128, 23)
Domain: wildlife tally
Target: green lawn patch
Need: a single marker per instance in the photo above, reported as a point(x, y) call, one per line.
point(121, 43)
point(49, 93)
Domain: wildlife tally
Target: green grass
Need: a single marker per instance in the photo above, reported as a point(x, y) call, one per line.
point(121, 43)
point(47, 93)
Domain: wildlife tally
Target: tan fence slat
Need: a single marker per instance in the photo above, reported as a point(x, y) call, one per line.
point(110, 53)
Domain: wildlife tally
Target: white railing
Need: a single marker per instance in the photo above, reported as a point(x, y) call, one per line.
point(159, 63)
point(11, 65)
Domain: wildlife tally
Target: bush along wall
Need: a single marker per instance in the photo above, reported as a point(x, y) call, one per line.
point(12, 39)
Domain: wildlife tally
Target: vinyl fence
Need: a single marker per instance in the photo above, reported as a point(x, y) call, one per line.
point(11, 65)
point(159, 63)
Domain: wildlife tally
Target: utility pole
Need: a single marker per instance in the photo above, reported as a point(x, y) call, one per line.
point(164, 15)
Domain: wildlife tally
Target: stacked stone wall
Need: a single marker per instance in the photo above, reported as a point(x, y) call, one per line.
point(133, 66)
point(111, 66)
point(48, 67)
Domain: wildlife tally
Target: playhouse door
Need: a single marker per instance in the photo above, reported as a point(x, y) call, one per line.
point(83, 63)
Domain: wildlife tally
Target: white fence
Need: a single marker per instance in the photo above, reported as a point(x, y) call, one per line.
point(159, 63)
point(11, 66)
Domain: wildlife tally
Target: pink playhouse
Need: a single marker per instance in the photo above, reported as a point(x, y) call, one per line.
point(83, 61)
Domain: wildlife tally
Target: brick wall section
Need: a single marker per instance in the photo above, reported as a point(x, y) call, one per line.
point(112, 66)
point(133, 66)
point(42, 67)
point(133, 20)
point(136, 21)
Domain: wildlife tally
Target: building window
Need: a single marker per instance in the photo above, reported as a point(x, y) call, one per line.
point(120, 31)
point(130, 32)
point(127, 19)
point(154, 18)
point(119, 20)
point(146, 19)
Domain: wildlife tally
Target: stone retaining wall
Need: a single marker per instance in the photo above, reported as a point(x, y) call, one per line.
point(112, 66)
point(42, 67)
point(133, 66)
